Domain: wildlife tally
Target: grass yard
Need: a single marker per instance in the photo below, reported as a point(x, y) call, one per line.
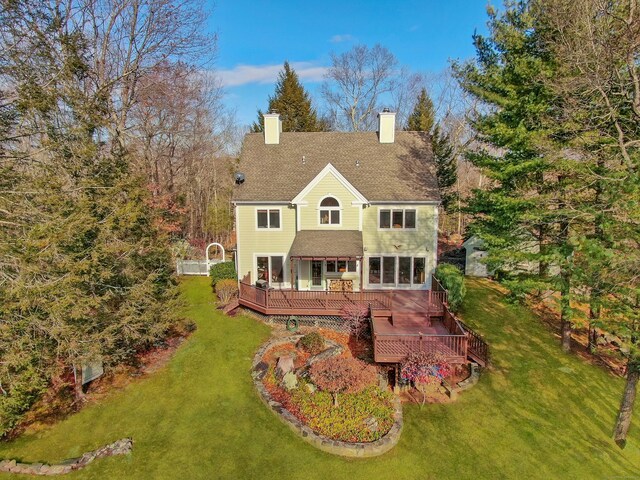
point(536, 414)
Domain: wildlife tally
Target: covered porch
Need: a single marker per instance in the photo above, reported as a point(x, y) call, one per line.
point(328, 260)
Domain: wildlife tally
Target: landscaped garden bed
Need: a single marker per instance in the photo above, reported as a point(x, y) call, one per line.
point(332, 399)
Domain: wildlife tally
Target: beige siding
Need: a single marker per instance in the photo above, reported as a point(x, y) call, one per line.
point(253, 241)
point(329, 186)
point(420, 242)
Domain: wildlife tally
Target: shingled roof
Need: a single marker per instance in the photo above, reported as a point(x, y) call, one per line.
point(327, 243)
point(399, 171)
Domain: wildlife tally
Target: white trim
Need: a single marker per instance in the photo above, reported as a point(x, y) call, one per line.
point(434, 263)
point(329, 209)
point(405, 202)
point(286, 266)
point(360, 215)
point(237, 221)
point(391, 228)
point(323, 173)
point(297, 207)
point(268, 229)
point(261, 202)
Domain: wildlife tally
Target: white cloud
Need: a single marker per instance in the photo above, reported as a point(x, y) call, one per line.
point(345, 37)
point(246, 74)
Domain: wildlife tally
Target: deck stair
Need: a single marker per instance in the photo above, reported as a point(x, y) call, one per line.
point(477, 348)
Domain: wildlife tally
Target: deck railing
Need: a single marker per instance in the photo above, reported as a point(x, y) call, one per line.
point(392, 348)
point(298, 301)
point(477, 347)
point(292, 298)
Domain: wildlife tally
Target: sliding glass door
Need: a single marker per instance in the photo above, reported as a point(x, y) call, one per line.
point(395, 271)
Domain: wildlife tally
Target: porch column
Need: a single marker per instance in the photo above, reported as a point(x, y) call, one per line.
point(361, 274)
point(291, 278)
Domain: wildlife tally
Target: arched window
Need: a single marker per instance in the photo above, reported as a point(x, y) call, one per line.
point(329, 211)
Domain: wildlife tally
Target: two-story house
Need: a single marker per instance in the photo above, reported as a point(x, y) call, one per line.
point(337, 211)
point(324, 219)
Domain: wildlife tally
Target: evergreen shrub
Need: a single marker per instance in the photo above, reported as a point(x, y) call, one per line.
point(312, 343)
point(452, 279)
point(221, 271)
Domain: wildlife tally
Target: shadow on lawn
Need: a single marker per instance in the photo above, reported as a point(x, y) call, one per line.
point(533, 380)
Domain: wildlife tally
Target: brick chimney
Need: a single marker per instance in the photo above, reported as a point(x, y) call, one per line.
point(272, 128)
point(386, 126)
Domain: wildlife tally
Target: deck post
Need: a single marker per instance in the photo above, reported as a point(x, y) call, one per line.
point(291, 260)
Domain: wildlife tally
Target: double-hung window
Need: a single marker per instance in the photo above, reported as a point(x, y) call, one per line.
point(269, 218)
point(397, 218)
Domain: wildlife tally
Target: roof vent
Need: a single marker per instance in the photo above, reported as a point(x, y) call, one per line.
point(239, 178)
point(357, 163)
point(304, 160)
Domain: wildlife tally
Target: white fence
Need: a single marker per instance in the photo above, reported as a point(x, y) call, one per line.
point(194, 267)
point(199, 267)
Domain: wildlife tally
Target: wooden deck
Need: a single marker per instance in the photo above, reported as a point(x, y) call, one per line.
point(402, 320)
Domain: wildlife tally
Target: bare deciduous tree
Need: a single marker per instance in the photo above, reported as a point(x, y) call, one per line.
point(181, 135)
point(357, 81)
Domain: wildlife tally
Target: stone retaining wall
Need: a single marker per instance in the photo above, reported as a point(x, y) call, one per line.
point(119, 447)
point(370, 449)
point(472, 379)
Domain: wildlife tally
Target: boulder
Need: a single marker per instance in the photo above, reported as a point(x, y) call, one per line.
point(290, 381)
point(284, 365)
point(311, 388)
point(371, 424)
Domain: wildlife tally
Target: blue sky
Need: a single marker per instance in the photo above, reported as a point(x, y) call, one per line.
point(256, 37)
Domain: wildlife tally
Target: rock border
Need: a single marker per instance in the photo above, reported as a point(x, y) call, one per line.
point(119, 447)
point(345, 449)
point(472, 379)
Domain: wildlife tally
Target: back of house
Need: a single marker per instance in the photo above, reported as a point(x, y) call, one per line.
point(337, 211)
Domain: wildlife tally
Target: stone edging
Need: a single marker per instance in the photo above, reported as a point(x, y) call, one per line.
point(363, 450)
point(472, 379)
point(119, 447)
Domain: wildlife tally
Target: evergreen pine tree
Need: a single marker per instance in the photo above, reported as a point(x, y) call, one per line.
point(422, 119)
point(293, 104)
point(90, 275)
point(523, 217)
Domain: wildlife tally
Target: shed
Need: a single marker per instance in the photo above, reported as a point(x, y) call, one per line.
point(475, 253)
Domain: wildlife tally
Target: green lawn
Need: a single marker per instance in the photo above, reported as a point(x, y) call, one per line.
point(537, 413)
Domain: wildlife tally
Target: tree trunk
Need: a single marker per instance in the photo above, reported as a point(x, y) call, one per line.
point(565, 312)
point(335, 399)
point(77, 385)
point(626, 407)
point(594, 316)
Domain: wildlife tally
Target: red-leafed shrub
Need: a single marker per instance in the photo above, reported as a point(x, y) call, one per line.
point(342, 375)
point(355, 317)
point(424, 368)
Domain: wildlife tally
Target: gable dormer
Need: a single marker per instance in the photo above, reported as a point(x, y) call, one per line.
point(329, 201)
